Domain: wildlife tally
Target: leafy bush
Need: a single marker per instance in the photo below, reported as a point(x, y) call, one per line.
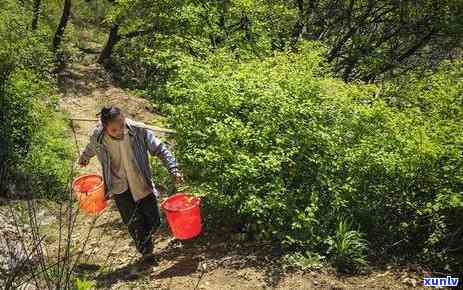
point(284, 150)
point(347, 248)
point(303, 261)
point(35, 155)
point(18, 117)
point(438, 98)
point(22, 58)
point(36, 150)
point(49, 161)
point(161, 175)
point(84, 284)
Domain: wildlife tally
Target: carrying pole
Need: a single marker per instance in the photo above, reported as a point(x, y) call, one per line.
point(151, 127)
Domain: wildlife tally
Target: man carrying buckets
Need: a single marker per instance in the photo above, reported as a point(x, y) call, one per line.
point(122, 145)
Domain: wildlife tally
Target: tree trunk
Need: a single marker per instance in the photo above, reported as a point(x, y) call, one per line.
point(62, 25)
point(36, 14)
point(113, 38)
point(58, 37)
point(300, 23)
point(223, 12)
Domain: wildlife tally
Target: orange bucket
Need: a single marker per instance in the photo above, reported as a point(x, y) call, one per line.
point(89, 190)
point(183, 215)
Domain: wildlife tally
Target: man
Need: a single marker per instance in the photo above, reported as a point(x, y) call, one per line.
point(122, 145)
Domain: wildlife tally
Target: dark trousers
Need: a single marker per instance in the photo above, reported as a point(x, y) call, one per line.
point(141, 217)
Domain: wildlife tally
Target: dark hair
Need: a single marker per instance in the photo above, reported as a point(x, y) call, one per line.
point(109, 113)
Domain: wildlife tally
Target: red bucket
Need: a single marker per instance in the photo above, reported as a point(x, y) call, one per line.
point(89, 191)
point(183, 215)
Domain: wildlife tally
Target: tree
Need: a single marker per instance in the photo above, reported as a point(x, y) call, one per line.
point(58, 37)
point(36, 14)
point(121, 16)
point(369, 39)
point(113, 38)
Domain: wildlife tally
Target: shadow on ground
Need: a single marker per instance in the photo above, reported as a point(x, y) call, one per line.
point(192, 259)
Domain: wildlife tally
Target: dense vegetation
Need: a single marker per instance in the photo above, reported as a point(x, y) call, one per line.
point(35, 152)
point(290, 153)
point(333, 128)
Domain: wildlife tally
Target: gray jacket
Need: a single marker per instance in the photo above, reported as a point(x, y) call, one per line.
point(143, 141)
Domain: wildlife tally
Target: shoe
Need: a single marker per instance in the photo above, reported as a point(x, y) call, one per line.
point(174, 243)
point(149, 259)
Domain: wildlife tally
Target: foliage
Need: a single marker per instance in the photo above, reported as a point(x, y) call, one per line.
point(347, 248)
point(161, 175)
point(375, 39)
point(367, 40)
point(438, 98)
point(20, 47)
point(286, 150)
point(83, 284)
point(280, 147)
point(49, 161)
point(303, 261)
point(34, 152)
point(154, 35)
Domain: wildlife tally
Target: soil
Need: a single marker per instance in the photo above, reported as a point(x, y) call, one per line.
point(214, 260)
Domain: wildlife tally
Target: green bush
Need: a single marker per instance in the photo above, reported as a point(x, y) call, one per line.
point(47, 167)
point(302, 261)
point(36, 149)
point(18, 117)
point(438, 99)
point(284, 150)
point(35, 153)
point(23, 61)
point(84, 284)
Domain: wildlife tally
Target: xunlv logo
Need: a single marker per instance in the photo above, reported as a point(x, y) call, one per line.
point(441, 282)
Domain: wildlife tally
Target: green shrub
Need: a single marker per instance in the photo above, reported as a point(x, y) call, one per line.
point(36, 149)
point(283, 149)
point(18, 122)
point(47, 167)
point(35, 152)
point(303, 261)
point(438, 99)
point(84, 284)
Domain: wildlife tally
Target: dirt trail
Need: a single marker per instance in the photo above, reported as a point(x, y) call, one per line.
point(213, 261)
point(86, 88)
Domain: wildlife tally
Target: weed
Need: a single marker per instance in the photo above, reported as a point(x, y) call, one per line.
point(347, 248)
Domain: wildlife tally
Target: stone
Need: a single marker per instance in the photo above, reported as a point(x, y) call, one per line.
point(13, 242)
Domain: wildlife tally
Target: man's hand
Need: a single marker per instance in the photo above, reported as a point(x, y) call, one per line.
point(177, 177)
point(83, 160)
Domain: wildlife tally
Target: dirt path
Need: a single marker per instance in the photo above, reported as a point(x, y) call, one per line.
point(86, 88)
point(213, 261)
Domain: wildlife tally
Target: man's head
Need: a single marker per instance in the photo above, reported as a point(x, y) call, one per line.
point(113, 121)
